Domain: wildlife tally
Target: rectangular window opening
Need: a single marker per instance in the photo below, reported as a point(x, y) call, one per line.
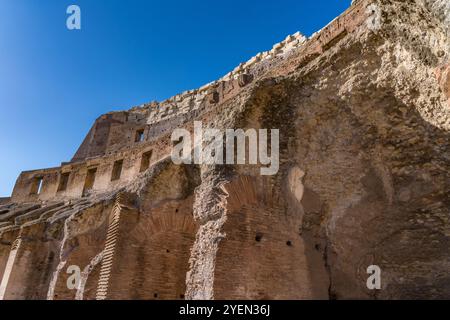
point(117, 170)
point(36, 186)
point(145, 161)
point(139, 136)
point(90, 179)
point(63, 181)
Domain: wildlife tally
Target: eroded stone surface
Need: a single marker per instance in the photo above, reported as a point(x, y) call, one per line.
point(364, 118)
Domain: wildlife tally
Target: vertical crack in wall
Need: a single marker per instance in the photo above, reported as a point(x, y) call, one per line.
point(108, 252)
point(9, 266)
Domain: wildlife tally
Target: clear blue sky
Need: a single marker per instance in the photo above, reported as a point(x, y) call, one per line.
point(54, 82)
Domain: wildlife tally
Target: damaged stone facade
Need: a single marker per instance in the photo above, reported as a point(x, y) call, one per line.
point(363, 109)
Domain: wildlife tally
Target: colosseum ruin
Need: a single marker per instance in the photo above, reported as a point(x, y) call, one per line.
point(363, 113)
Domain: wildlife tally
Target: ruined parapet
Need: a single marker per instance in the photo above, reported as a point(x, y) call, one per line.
point(441, 8)
point(193, 100)
point(106, 135)
point(91, 176)
point(280, 49)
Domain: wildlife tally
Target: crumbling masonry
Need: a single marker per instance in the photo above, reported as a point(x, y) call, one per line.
point(363, 109)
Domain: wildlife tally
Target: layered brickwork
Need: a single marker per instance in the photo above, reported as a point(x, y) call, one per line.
point(363, 112)
point(264, 242)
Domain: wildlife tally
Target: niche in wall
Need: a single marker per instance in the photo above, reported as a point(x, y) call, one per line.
point(36, 185)
point(117, 170)
point(63, 181)
point(145, 161)
point(90, 179)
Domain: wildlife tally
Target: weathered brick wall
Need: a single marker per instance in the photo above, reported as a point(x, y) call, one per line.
point(263, 254)
point(363, 180)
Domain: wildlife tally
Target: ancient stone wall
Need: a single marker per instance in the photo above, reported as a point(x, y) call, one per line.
point(363, 113)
